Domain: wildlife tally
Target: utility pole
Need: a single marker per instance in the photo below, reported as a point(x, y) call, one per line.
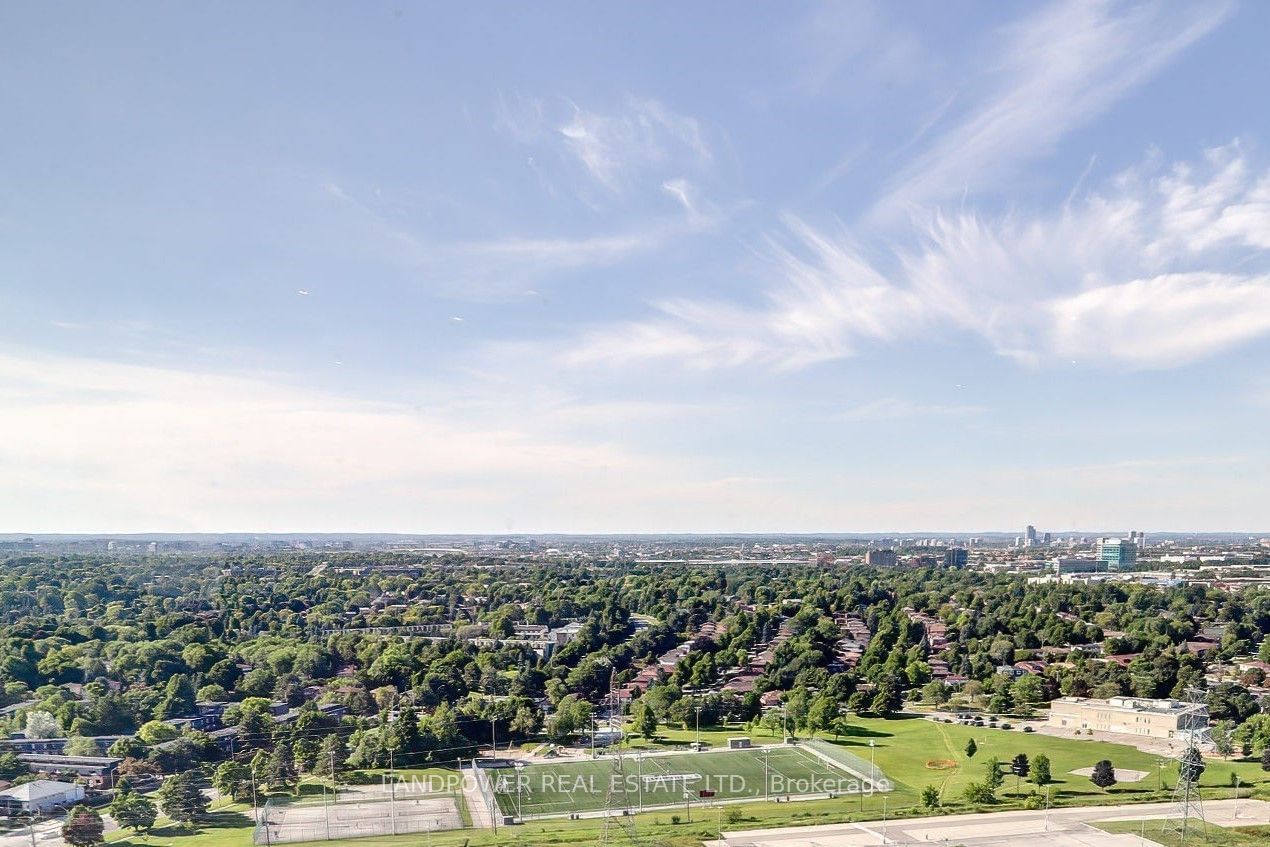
point(326, 812)
point(873, 771)
point(639, 776)
point(767, 778)
point(255, 809)
point(392, 788)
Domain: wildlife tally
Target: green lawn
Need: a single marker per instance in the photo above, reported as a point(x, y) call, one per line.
point(553, 788)
point(1215, 836)
point(903, 748)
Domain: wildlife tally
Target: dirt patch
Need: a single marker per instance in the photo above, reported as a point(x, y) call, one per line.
point(941, 764)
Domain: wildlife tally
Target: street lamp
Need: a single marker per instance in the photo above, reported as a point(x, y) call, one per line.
point(873, 778)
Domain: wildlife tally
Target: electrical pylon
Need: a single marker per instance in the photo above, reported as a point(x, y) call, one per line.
point(619, 826)
point(1189, 817)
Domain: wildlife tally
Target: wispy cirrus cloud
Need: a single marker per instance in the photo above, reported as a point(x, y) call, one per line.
point(496, 268)
point(639, 143)
point(1060, 68)
point(1118, 277)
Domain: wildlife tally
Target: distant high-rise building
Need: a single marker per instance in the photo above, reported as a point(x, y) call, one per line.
point(1030, 534)
point(955, 557)
point(880, 558)
point(1047, 538)
point(1117, 553)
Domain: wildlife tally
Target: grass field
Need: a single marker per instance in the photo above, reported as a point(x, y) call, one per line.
point(647, 781)
point(903, 748)
point(1214, 836)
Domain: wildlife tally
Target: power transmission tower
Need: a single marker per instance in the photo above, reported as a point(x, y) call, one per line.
point(619, 826)
point(1189, 817)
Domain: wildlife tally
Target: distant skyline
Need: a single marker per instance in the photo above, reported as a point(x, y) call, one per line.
point(600, 268)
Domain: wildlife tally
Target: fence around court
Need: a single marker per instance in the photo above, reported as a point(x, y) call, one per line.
point(849, 761)
point(286, 820)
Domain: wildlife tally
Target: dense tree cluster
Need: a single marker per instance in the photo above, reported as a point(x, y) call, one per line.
point(425, 656)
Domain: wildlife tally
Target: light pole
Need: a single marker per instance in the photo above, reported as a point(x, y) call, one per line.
point(873, 778)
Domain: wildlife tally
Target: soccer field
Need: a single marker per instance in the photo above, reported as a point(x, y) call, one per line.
point(650, 781)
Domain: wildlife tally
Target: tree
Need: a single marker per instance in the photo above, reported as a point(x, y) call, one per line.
point(645, 720)
point(798, 706)
point(992, 773)
point(935, 693)
point(280, 769)
point(332, 755)
point(979, 793)
point(41, 724)
point(1265, 754)
point(83, 827)
point(1192, 767)
point(1041, 770)
point(11, 766)
point(178, 698)
point(1104, 775)
point(1020, 767)
point(232, 779)
point(181, 799)
point(823, 713)
point(81, 746)
point(930, 797)
point(156, 732)
point(1223, 742)
point(971, 748)
point(133, 811)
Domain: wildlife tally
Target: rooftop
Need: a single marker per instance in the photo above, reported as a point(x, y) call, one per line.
point(37, 790)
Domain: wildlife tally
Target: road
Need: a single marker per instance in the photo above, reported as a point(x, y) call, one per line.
point(1066, 827)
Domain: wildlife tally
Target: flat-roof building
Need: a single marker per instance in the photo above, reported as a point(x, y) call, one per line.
point(1129, 716)
point(40, 795)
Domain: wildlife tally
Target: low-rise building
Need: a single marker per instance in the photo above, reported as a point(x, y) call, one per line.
point(40, 795)
point(1129, 716)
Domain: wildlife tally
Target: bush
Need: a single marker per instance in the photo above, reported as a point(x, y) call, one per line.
point(675, 819)
point(979, 793)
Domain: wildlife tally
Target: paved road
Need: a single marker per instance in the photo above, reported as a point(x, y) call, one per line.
point(1067, 827)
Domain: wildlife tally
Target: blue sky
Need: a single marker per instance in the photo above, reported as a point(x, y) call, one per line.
point(654, 267)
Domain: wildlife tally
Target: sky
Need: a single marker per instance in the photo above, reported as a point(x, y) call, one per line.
point(656, 267)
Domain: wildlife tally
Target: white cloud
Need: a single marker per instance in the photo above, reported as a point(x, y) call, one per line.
point(644, 135)
point(1060, 68)
point(497, 268)
point(99, 446)
point(639, 144)
point(1165, 320)
point(1157, 250)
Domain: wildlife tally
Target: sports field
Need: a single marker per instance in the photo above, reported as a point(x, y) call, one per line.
point(650, 781)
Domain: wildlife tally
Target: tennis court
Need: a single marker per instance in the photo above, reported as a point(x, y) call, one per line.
point(321, 821)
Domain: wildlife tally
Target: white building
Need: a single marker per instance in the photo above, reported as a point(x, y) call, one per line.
point(41, 795)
